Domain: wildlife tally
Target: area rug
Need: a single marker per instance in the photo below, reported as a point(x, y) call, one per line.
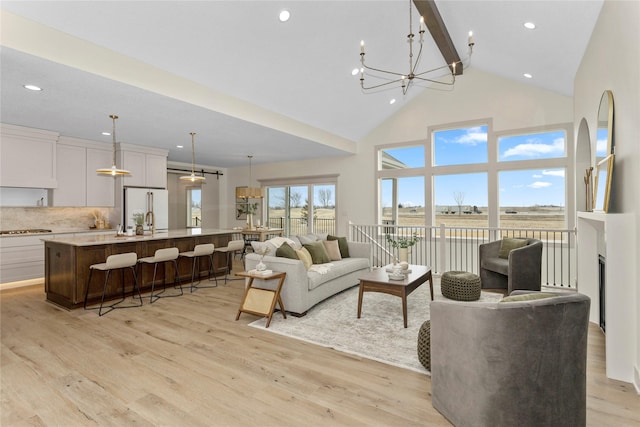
point(378, 334)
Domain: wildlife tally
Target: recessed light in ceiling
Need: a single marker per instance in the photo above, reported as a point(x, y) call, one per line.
point(393, 101)
point(284, 15)
point(32, 87)
point(355, 71)
point(527, 75)
point(106, 133)
point(179, 146)
point(529, 25)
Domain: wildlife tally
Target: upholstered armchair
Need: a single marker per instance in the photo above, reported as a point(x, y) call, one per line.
point(518, 363)
point(521, 269)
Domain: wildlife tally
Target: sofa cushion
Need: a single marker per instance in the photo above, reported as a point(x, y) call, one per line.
point(509, 244)
point(318, 252)
point(495, 264)
point(305, 257)
point(339, 268)
point(333, 250)
point(305, 239)
point(529, 297)
point(260, 247)
point(286, 251)
point(342, 244)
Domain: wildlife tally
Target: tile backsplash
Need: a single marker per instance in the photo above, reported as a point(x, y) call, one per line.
point(55, 219)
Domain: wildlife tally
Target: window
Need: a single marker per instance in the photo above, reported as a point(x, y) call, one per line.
point(289, 208)
point(460, 146)
point(461, 200)
point(532, 198)
point(194, 204)
point(544, 145)
point(401, 158)
point(403, 201)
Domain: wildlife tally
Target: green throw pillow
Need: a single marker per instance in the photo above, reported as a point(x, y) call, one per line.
point(508, 244)
point(528, 297)
point(286, 251)
point(342, 244)
point(318, 253)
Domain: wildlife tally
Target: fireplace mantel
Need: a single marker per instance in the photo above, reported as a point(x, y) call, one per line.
point(612, 236)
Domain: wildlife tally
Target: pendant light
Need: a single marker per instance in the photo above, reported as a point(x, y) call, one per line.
point(193, 177)
point(249, 192)
point(113, 170)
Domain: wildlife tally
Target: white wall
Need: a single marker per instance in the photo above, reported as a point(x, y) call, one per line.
point(476, 95)
point(612, 61)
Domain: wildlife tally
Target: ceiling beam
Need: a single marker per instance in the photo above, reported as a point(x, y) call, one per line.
point(435, 24)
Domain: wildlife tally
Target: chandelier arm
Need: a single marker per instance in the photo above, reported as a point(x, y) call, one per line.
point(380, 85)
point(383, 71)
point(424, 79)
point(415, 65)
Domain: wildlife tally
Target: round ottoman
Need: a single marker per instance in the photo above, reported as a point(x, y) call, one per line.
point(460, 286)
point(424, 345)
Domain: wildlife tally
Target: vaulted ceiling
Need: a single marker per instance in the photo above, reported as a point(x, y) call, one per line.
point(247, 83)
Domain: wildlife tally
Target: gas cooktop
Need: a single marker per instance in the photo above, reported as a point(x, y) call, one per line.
point(25, 231)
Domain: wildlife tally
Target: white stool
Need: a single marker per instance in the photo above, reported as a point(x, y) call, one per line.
point(202, 250)
point(163, 256)
point(232, 247)
point(114, 262)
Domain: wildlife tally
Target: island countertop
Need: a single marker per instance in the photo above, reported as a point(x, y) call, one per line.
point(108, 239)
point(68, 260)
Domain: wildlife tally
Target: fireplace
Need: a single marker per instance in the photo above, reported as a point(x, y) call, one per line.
point(601, 289)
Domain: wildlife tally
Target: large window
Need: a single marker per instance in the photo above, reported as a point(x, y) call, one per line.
point(469, 176)
point(289, 208)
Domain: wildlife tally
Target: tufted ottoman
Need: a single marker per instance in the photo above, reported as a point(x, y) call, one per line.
point(424, 345)
point(460, 285)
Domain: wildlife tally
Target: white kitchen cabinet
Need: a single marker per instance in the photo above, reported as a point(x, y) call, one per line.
point(100, 188)
point(21, 258)
point(27, 157)
point(78, 182)
point(71, 168)
point(148, 166)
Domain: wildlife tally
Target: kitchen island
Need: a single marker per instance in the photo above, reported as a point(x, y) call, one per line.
point(67, 262)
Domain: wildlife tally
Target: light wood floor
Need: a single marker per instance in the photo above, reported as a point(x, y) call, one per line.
point(186, 362)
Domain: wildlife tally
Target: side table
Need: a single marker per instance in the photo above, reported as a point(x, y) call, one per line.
point(258, 301)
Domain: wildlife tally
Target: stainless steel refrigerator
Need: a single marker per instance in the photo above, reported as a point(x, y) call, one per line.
point(146, 201)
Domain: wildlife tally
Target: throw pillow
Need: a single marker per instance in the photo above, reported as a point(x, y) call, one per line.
point(529, 297)
point(305, 257)
point(286, 251)
point(333, 250)
point(261, 247)
point(307, 238)
point(508, 244)
point(342, 244)
point(318, 252)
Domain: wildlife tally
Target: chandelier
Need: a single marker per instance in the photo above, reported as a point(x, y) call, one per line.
point(193, 177)
point(249, 192)
point(113, 170)
point(410, 77)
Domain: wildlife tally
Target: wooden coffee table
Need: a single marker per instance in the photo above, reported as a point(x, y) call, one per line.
point(378, 281)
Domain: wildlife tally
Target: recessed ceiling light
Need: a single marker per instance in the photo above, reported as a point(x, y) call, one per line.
point(527, 75)
point(106, 133)
point(32, 87)
point(284, 15)
point(393, 101)
point(529, 25)
point(355, 71)
point(179, 146)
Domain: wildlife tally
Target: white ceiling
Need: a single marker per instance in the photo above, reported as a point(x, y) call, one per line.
point(292, 92)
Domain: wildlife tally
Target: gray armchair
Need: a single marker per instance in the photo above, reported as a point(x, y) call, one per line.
point(522, 270)
point(510, 363)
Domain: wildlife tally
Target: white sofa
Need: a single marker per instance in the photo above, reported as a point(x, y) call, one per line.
point(303, 289)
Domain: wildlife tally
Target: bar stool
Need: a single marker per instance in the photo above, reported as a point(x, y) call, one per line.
point(114, 262)
point(163, 256)
point(232, 247)
point(205, 249)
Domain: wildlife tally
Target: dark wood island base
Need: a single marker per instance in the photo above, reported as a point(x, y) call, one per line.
point(67, 262)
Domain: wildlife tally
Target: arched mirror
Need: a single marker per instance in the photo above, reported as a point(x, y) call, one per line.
point(584, 170)
point(604, 145)
point(605, 149)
